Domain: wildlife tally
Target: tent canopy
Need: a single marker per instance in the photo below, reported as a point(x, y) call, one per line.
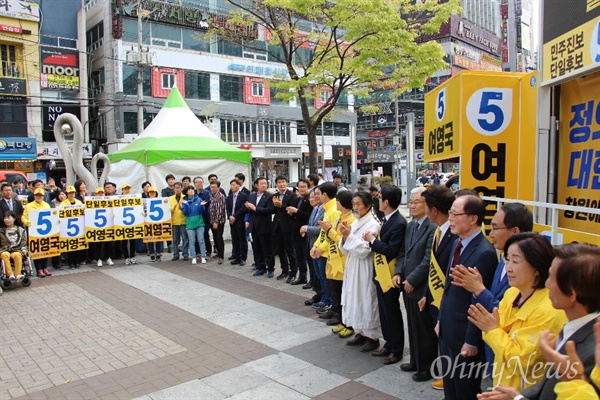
point(177, 134)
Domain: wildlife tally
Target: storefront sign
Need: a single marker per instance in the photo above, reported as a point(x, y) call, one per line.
point(20, 10)
point(382, 156)
point(50, 150)
point(284, 152)
point(11, 29)
point(474, 65)
point(570, 38)
point(176, 14)
point(579, 154)
point(60, 68)
point(345, 152)
point(15, 149)
point(51, 111)
point(258, 69)
point(13, 87)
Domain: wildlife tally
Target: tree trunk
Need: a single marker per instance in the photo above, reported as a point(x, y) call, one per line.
point(313, 150)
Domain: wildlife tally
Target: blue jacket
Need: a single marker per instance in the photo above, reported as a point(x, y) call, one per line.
point(193, 210)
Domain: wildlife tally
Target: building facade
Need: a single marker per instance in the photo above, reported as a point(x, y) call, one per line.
point(225, 84)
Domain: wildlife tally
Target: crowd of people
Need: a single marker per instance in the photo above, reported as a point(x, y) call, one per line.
point(524, 319)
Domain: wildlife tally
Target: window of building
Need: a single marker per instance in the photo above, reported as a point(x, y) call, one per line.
point(229, 48)
point(58, 41)
point(231, 88)
point(130, 80)
point(258, 89)
point(324, 96)
point(166, 35)
point(303, 56)
point(275, 100)
point(168, 80)
point(11, 66)
point(97, 81)
point(197, 85)
point(275, 53)
point(255, 131)
point(130, 31)
point(195, 40)
point(13, 118)
point(256, 49)
point(95, 37)
point(130, 121)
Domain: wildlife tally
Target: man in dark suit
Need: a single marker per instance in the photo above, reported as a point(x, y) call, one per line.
point(20, 188)
point(573, 285)
point(300, 213)
point(9, 203)
point(460, 340)
point(412, 271)
point(386, 248)
point(242, 179)
point(236, 213)
point(511, 218)
point(438, 201)
point(260, 206)
point(282, 229)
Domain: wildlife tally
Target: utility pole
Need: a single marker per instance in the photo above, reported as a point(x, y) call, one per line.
point(140, 71)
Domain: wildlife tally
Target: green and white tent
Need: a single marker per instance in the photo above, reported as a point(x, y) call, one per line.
point(177, 143)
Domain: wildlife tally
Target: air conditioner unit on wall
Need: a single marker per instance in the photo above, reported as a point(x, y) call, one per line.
point(131, 57)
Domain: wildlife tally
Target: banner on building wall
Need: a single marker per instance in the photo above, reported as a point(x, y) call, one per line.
point(20, 10)
point(16, 149)
point(579, 152)
point(60, 68)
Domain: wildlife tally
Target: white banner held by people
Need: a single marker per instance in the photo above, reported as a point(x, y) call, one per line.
point(44, 234)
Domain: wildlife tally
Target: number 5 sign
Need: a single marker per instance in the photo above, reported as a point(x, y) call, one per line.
point(157, 220)
point(44, 234)
point(129, 217)
point(99, 219)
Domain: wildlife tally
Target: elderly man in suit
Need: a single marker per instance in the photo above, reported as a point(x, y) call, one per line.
point(386, 247)
point(573, 285)
point(300, 214)
point(460, 340)
point(9, 202)
point(411, 274)
point(260, 206)
point(282, 229)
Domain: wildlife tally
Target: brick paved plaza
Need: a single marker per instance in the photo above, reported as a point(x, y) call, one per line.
point(171, 330)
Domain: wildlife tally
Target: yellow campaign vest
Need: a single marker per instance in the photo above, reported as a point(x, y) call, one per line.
point(437, 279)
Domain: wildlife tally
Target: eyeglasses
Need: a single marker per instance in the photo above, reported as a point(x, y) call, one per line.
point(499, 228)
point(455, 214)
point(415, 202)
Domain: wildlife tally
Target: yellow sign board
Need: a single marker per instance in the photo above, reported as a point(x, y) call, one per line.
point(572, 51)
point(579, 152)
point(495, 133)
point(442, 122)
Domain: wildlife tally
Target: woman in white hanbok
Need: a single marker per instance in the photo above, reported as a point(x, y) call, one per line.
point(359, 297)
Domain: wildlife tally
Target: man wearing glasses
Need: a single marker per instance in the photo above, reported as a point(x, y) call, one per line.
point(460, 340)
point(511, 218)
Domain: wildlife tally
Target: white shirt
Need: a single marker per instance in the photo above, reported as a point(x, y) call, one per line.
point(573, 326)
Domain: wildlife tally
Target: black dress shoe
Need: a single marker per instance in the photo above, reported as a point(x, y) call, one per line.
point(282, 276)
point(231, 258)
point(242, 263)
point(335, 321)
point(422, 376)
point(392, 359)
point(357, 340)
point(307, 286)
point(327, 314)
point(370, 345)
point(408, 367)
point(309, 302)
point(383, 352)
point(298, 281)
point(290, 279)
point(235, 262)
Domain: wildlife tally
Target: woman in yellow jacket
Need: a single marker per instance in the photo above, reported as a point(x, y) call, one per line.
point(513, 330)
point(38, 203)
point(336, 260)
